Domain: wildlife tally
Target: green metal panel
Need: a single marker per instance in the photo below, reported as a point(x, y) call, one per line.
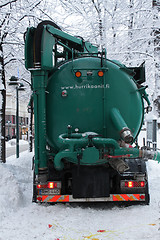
point(46, 50)
point(29, 61)
point(39, 96)
point(62, 35)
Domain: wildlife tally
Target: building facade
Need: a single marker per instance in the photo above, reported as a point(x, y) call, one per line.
point(10, 118)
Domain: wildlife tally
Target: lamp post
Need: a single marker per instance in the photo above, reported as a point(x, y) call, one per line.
point(19, 87)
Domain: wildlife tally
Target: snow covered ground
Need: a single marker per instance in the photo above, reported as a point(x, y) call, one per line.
point(22, 219)
point(12, 143)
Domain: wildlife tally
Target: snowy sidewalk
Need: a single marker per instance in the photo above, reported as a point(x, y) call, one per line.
point(11, 147)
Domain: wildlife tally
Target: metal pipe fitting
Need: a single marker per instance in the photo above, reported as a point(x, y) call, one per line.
point(126, 135)
point(121, 126)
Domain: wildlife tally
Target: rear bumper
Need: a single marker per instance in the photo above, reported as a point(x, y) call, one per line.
point(111, 198)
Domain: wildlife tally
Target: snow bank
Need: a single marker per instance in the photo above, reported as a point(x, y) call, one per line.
point(14, 177)
point(10, 193)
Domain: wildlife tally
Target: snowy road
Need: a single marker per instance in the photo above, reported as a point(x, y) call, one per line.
point(12, 150)
point(22, 219)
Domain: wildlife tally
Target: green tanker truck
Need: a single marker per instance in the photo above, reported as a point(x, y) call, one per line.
point(88, 112)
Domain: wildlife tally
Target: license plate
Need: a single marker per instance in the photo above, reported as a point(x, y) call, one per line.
point(49, 191)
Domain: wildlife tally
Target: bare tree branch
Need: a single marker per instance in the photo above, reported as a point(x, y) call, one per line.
point(5, 4)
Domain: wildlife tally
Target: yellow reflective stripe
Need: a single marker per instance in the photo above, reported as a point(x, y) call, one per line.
point(118, 197)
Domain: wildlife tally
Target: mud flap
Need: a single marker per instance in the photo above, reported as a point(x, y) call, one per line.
point(90, 182)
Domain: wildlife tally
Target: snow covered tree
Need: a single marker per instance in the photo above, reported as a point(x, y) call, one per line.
point(128, 29)
point(96, 20)
point(156, 41)
point(88, 16)
point(15, 17)
point(3, 34)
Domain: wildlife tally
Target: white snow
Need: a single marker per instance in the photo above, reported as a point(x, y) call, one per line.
point(12, 143)
point(22, 219)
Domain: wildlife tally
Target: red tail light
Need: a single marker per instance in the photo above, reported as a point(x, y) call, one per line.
point(41, 186)
point(142, 184)
point(130, 184)
point(134, 184)
point(52, 185)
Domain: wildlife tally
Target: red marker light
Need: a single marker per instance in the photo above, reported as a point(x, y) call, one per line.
point(142, 197)
point(39, 199)
point(100, 73)
point(78, 74)
point(142, 184)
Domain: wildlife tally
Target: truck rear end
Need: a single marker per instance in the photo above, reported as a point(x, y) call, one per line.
point(88, 112)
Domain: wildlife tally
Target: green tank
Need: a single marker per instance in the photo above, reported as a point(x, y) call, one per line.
point(109, 105)
point(85, 106)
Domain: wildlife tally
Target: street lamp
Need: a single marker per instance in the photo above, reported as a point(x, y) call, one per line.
point(19, 87)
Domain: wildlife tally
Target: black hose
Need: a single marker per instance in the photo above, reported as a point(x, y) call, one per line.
point(38, 38)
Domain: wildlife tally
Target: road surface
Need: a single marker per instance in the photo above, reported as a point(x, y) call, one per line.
point(12, 150)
